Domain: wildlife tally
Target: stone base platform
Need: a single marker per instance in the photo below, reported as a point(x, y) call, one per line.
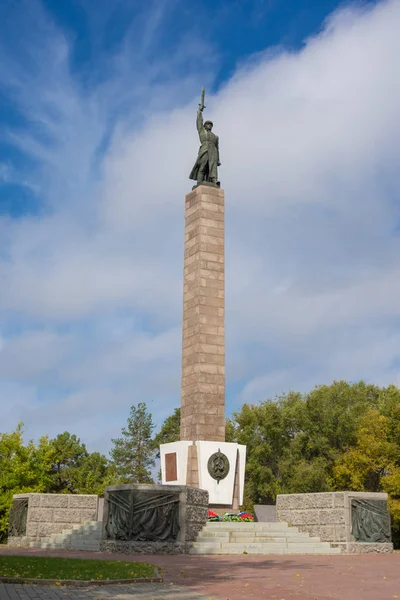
point(37, 518)
point(152, 519)
point(365, 548)
point(120, 547)
point(355, 522)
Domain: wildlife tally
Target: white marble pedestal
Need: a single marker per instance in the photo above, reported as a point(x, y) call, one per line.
point(226, 492)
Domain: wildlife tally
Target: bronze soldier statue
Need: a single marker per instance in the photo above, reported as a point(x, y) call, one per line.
point(205, 168)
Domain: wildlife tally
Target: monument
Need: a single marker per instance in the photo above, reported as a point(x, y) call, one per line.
point(202, 458)
point(167, 519)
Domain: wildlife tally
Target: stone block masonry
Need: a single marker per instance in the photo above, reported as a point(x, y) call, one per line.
point(202, 434)
point(53, 513)
point(203, 338)
point(193, 513)
point(328, 516)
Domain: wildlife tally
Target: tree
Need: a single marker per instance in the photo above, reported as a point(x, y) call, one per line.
point(373, 463)
point(294, 440)
point(261, 428)
point(322, 425)
point(68, 455)
point(23, 469)
point(92, 475)
point(330, 417)
point(373, 459)
point(59, 465)
point(170, 431)
point(133, 453)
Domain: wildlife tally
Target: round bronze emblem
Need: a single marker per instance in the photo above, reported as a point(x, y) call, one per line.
point(218, 465)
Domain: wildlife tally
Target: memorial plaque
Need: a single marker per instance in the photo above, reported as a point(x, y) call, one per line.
point(171, 471)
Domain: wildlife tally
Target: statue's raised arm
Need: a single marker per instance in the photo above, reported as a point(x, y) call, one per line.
point(199, 120)
point(205, 168)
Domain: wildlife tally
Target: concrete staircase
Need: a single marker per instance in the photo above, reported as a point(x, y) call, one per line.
point(257, 538)
point(81, 537)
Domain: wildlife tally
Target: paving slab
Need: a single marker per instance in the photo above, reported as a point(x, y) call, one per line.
point(147, 591)
point(245, 577)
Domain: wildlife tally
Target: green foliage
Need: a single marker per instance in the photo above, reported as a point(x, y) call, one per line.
point(93, 473)
point(68, 455)
point(169, 432)
point(133, 453)
point(22, 469)
point(230, 431)
point(262, 430)
point(294, 441)
point(372, 460)
point(303, 476)
point(342, 436)
point(61, 465)
point(75, 470)
point(373, 463)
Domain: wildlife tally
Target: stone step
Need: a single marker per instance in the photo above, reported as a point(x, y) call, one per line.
point(275, 540)
point(259, 534)
point(278, 544)
point(83, 539)
point(252, 538)
point(83, 536)
point(70, 542)
point(263, 548)
point(94, 523)
point(276, 532)
point(246, 525)
point(264, 551)
point(79, 534)
point(229, 537)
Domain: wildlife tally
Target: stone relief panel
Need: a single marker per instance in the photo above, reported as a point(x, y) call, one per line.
point(370, 520)
point(18, 517)
point(143, 515)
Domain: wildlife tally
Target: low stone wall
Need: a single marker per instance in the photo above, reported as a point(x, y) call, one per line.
point(52, 513)
point(328, 516)
point(193, 513)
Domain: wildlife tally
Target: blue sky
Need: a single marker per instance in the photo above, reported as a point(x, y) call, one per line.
point(97, 110)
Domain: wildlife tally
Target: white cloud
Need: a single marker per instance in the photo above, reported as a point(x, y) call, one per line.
point(310, 149)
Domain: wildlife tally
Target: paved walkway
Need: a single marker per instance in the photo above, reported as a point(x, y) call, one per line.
point(145, 591)
point(244, 577)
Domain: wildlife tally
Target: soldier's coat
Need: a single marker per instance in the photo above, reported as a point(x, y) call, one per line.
point(208, 151)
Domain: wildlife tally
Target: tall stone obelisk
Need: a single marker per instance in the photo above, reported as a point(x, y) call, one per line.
point(202, 458)
point(203, 331)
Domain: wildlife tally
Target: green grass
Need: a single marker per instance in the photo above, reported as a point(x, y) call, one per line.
point(71, 568)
